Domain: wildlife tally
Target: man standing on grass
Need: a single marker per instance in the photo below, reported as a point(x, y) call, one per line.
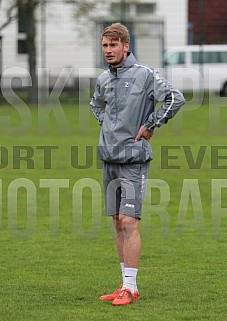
point(124, 105)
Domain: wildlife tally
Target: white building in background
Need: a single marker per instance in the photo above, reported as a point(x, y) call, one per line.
point(64, 45)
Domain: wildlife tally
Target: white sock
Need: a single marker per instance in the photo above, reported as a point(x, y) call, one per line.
point(130, 279)
point(122, 271)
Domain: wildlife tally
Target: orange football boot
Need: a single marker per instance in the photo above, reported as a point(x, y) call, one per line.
point(124, 298)
point(111, 296)
point(114, 295)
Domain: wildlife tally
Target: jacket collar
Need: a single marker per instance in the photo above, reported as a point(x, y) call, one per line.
point(127, 63)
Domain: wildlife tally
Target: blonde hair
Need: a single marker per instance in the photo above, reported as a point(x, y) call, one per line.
point(117, 31)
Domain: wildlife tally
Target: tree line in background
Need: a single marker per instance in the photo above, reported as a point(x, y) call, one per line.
point(28, 7)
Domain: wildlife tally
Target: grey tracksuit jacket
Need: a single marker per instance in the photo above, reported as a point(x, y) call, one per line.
point(124, 99)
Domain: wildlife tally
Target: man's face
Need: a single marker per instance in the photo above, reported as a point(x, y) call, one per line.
point(114, 51)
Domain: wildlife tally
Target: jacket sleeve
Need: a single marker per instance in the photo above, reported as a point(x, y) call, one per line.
point(161, 90)
point(98, 104)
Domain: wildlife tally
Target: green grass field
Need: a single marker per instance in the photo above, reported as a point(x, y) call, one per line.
point(57, 247)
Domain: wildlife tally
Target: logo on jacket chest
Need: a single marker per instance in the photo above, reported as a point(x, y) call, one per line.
point(121, 87)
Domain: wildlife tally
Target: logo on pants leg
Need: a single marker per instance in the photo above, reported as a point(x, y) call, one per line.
point(130, 205)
